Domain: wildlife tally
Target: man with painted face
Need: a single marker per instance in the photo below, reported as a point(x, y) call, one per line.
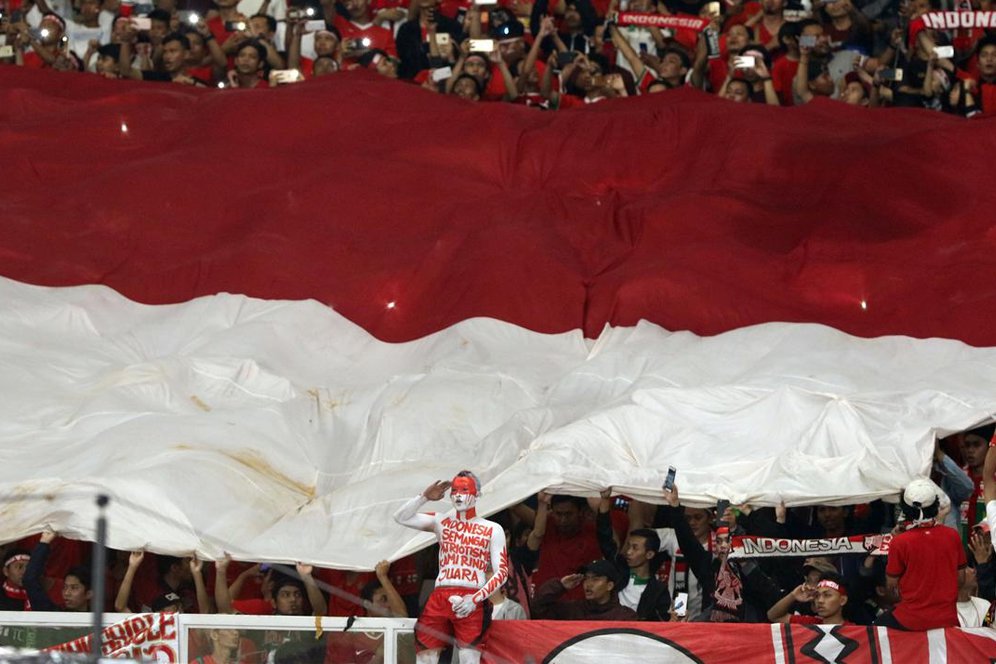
point(459, 605)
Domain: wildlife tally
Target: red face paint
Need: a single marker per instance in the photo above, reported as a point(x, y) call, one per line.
point(464, 485)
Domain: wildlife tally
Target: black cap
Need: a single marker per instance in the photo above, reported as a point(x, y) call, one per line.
point(604, 568)
point(164, 600)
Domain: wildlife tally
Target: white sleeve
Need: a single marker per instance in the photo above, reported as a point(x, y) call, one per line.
point(408, 515)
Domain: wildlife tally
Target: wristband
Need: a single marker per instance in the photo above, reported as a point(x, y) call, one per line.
point(766, 78)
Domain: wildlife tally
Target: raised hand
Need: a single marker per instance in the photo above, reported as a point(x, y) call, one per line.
point(436, 490)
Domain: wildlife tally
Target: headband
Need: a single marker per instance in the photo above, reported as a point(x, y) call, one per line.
point(832, 585)
point(17, 558)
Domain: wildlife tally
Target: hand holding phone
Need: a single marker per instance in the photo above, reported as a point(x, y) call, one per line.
point(669, 480)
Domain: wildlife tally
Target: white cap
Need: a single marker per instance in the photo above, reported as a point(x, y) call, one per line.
point(920, 493)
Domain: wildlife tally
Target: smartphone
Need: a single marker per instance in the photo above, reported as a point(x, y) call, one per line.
point(283, 77)
point(566, 58)
point(807, 41)
point(712, 9)
point(6, 51)
point(358, 44)
point(944, 51)
point(442, 38)
point(188, 17)
point(314, 26)
point(669, 480)
point(482, 45)
point(485, 2)
point(38, 34)
point(891, 75)
point(441, 74)
point(235, 26)
point(142, 8)
point(721, 507)
point(141, 23)
point(681, 604)
point(744, 62)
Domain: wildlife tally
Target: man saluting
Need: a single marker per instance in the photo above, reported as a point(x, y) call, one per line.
point(468, 547)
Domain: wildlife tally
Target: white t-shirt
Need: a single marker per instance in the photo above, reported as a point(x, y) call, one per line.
point(972, 612)
point(669, 544)
point(991, 519)
point(631, 594)
point(508, 610)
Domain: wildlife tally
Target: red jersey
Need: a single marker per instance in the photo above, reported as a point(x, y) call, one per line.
point(379, 37)
point(782, 77)
point(926, 560)
point(559, 555)
point(345, 606)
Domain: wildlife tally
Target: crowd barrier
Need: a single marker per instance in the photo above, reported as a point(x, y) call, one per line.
point(185, 638)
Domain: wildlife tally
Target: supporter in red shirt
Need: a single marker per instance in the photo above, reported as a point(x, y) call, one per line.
point(566, 547)
point(250, 64)
point(45, 51)
point(327, 45)
point(784, 68)
point(715, 70)
point(812, 77)
point(983, 86)
point(287, 594)
point(828, 597)
point(769, 22)
point(359, 32)
point(926, 564)
point(206, 61)
point(350, 584)
point(14, 597)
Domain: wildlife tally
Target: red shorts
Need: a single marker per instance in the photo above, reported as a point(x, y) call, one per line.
point(437, 626)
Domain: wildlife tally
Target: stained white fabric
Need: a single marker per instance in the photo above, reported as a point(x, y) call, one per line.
point(280, 431)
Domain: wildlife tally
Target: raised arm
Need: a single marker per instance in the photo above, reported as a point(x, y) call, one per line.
point(603, 527)
point(395, 604)
point(319, 607)
point(781, 610)
point(800, 84)
point(35, 570)
point(204, 604)
point(408, 514)
point(624, 47)
point(536, 535)
point(546, 28)
point(222, 597)
point(121, 601)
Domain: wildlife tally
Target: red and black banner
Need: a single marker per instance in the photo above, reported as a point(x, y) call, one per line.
point(552, 642)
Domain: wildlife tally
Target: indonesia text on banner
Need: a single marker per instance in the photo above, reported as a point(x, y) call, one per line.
point(547, 642)
point(749, 546)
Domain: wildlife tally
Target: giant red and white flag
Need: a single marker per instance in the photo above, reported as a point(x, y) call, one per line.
point(261, 320)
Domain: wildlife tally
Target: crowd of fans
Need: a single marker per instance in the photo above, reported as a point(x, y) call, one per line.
point(606, 558)
point(546, 53)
